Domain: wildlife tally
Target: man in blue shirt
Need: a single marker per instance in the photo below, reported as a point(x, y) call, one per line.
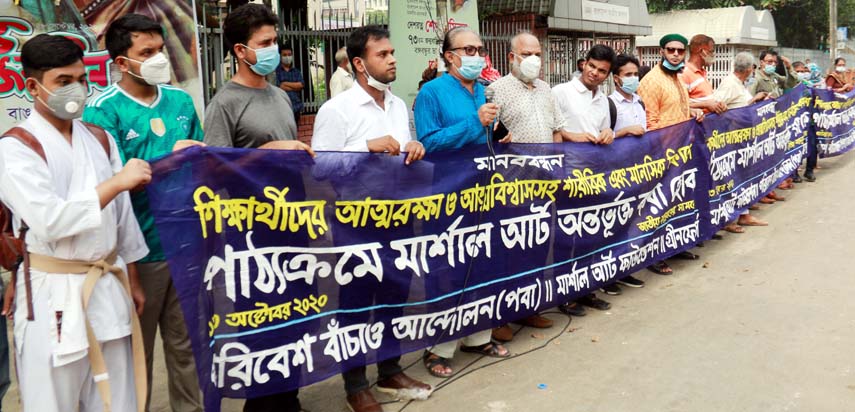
point(449, 122)
point(290, 79)
point(439, 128)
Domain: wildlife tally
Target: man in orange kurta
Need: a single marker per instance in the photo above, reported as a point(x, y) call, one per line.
point(665, 98)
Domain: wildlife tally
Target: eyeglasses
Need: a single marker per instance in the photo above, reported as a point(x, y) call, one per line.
point(675, 50)
point(471, 50)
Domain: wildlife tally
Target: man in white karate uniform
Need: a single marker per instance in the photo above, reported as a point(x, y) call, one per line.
point(82, 233)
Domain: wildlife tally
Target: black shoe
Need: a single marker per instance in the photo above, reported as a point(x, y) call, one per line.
point(592, 301)
point(810, 177)
point(612, 289)
point(631, 282)
point(572, 309)
point(797, 179)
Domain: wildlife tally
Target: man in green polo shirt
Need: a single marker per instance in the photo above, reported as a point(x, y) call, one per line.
point(148, 118)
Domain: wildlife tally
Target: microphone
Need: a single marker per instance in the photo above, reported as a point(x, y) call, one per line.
point(489, 95)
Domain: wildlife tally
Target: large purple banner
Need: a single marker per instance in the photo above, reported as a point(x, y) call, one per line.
point(292, 269)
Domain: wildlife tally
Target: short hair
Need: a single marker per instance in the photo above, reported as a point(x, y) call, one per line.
point(743, 62)
point(601, 52)
point(798, 64)
point(580, 61)
point(449, 39)
point(622, 60)
point(119, 39)
point(244, 21)
point(283, 47)
point(765, 53)
point(341, 55)
point(45, 52)
point(359, 39)
point(698, 41)
point(837, 60)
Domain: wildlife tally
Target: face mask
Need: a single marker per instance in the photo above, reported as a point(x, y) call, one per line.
point(374, 82)
point(840, 69)
point(528, 69)
point(288, 60)
point(471, 66)
point(709, 60)
point(671, 67)
point(769, 69)
point(66, 102)
point(155, 70)
point(804, 76)
point(266, 59)
point(629, 84)
point(749, 81)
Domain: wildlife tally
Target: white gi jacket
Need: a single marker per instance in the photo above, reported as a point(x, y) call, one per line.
point(59, 203)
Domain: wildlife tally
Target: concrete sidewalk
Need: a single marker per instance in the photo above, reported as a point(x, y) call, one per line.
point(763, 322)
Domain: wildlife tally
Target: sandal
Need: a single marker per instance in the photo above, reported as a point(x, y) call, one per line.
point(686, 255)
point(490, 349)
point(431, 361)
point(659, 268)
point(734, 228)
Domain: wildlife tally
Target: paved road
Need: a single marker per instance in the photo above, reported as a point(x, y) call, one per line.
point(763, 322)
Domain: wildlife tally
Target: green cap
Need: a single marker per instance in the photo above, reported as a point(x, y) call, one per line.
point(672, 37)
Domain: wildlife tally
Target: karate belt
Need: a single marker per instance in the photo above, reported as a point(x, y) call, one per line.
point(93, 271)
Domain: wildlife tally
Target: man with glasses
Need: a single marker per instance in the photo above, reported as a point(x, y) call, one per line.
point(451, 112)
point(702, 49)
point(666, 100)
point(767, 78)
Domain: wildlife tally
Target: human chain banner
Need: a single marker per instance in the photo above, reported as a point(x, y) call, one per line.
point(833, 118)
point(292, 269)
point(751, 150)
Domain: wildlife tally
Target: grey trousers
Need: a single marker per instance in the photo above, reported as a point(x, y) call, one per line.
point(163, 309)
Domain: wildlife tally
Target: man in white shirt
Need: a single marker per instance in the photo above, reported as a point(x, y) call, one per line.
point(733, 93)
point(342, 79)
point(631, 120)
point(369, 118)
point(586, 113)
point(73, 195)
point(585, 108)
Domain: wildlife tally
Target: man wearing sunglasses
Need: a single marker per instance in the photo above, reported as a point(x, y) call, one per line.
point(666, 100)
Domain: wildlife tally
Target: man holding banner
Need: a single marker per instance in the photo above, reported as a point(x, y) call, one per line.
point(586, 112)
point(148, 118)
point(239, 116)
point(368, 117)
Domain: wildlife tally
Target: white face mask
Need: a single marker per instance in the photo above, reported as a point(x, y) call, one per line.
point(529, 68)
point(840, 69)
point(154, 70)
point(374, 82)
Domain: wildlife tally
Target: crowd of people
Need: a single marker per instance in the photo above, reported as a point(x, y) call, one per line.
point(74, 187)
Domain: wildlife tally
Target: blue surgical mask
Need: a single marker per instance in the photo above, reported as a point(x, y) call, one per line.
point(629, 84)
point(749, 81)
point(769, 69)
point(471, 66)
point(671, 67)
point(266, 59)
